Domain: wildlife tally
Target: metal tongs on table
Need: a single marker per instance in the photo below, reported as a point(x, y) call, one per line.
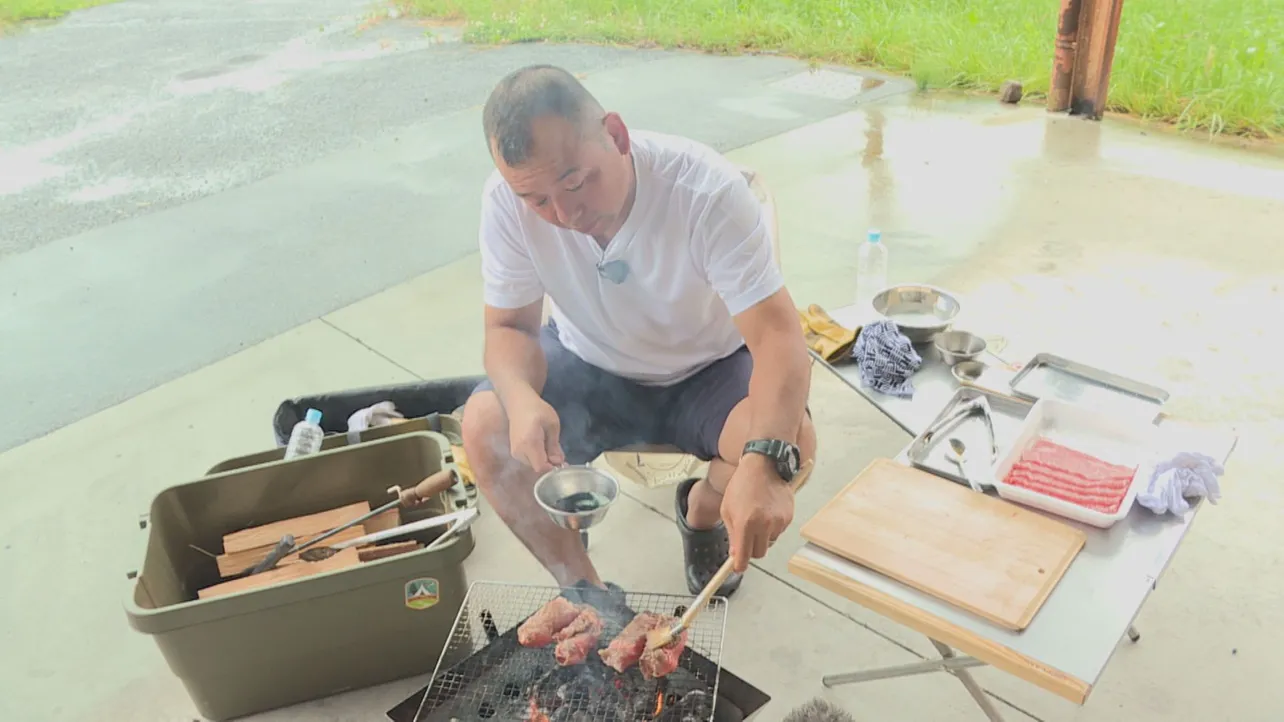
point(957, 450)
point(963, 411)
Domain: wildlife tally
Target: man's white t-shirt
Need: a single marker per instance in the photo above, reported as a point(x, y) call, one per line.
point(698, 252)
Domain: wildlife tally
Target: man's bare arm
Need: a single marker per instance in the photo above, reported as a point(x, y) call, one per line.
point(781, 378)
point(512, 357)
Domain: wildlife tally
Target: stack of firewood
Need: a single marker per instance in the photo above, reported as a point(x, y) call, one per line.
point(245, 548)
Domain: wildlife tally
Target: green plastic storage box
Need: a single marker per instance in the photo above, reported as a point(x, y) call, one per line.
point(309, 638)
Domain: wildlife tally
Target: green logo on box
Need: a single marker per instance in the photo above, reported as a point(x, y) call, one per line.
point(422, 593)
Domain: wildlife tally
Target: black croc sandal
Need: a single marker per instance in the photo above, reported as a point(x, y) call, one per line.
point(703, 550)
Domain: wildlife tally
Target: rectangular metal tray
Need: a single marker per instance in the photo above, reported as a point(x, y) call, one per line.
point(1050, 376)
point(931, 454)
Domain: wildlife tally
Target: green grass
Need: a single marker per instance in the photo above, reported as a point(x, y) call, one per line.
point(16, 11)
point(1216, 65)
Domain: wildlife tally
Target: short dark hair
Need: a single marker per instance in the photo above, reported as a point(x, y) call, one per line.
point(529, 93)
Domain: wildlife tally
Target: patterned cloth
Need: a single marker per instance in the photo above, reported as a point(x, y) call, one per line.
point(886, 359)
point(1186, 475)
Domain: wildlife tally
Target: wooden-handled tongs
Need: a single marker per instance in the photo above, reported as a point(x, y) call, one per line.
point(664, 636)
point(430, 487)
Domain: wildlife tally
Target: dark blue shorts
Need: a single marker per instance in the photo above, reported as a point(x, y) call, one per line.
point(600, 411)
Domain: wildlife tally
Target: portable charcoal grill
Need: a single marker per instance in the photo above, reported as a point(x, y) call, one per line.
point(484, 674)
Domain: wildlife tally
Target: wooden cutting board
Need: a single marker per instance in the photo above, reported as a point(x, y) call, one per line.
point(988, 556)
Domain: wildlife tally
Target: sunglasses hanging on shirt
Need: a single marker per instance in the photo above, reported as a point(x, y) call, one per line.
point(614, 271)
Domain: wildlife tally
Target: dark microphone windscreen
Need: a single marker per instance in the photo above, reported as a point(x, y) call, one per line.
point(819, 710)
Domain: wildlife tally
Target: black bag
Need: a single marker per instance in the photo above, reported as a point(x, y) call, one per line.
point(413, 400)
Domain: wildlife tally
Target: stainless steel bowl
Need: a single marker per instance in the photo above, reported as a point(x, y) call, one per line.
point(920, 312)
point(560, 489)
point(968, 372)
point(959, 346)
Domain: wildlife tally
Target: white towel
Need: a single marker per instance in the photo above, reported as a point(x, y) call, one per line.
point(1186, 475)
point(381, 414)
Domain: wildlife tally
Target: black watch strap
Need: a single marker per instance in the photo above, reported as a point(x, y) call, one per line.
point(783, 454)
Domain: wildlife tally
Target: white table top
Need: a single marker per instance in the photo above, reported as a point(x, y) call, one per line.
point(1078, 628)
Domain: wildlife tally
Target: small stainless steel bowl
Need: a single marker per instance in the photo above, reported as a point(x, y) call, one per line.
point(968, 372)
point(555, 487)
point(920, 312)
point(959, 346)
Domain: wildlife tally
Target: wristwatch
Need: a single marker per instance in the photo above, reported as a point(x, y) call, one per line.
point(783, 454)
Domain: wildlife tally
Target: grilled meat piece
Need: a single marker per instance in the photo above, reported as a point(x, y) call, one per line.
point(576, 649)
point(586, 621)
point(625, 650)
point(534, 713)
point(656, 663)
point(538, 630)
point(578, 638)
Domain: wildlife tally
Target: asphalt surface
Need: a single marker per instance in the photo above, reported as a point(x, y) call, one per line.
point(179, 180)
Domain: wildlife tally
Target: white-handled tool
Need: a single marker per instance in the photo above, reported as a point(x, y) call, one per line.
point(429, 488)
point(316, 554)
point(454, 531)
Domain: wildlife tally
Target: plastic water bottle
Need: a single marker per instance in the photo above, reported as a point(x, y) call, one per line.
point(871, 270)
point(306, 436)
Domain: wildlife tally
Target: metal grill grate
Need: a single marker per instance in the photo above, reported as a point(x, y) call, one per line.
point(483, 673)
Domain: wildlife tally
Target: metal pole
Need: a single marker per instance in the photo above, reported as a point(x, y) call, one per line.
point(905, 670)
point(974, 689)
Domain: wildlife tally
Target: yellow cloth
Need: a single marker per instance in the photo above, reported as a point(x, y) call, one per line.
point(461, 463)
point(825, 336)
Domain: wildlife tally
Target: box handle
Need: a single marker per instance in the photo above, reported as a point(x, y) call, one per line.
point(144, 521)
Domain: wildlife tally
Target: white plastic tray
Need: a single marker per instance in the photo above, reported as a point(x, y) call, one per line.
point(1116, 439)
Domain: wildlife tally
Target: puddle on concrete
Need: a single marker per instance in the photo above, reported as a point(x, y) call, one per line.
point(348, 40)
point(829, 84)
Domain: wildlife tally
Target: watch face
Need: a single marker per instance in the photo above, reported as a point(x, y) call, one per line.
point(787, 457)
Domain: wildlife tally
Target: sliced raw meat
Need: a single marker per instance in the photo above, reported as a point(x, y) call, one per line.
point(538, 630)
point(1084, 504)
point(1071, 481)
point(1063, 473)
point(623, 651)
point(1106, 503)
point(1068, 479)
point(1112, 478)
point(656, 663)
point(1083, 473)
point(1019, 478)
point(1103, 506)
point(586, 621)
point(1043, 444)
point(1068, 459)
